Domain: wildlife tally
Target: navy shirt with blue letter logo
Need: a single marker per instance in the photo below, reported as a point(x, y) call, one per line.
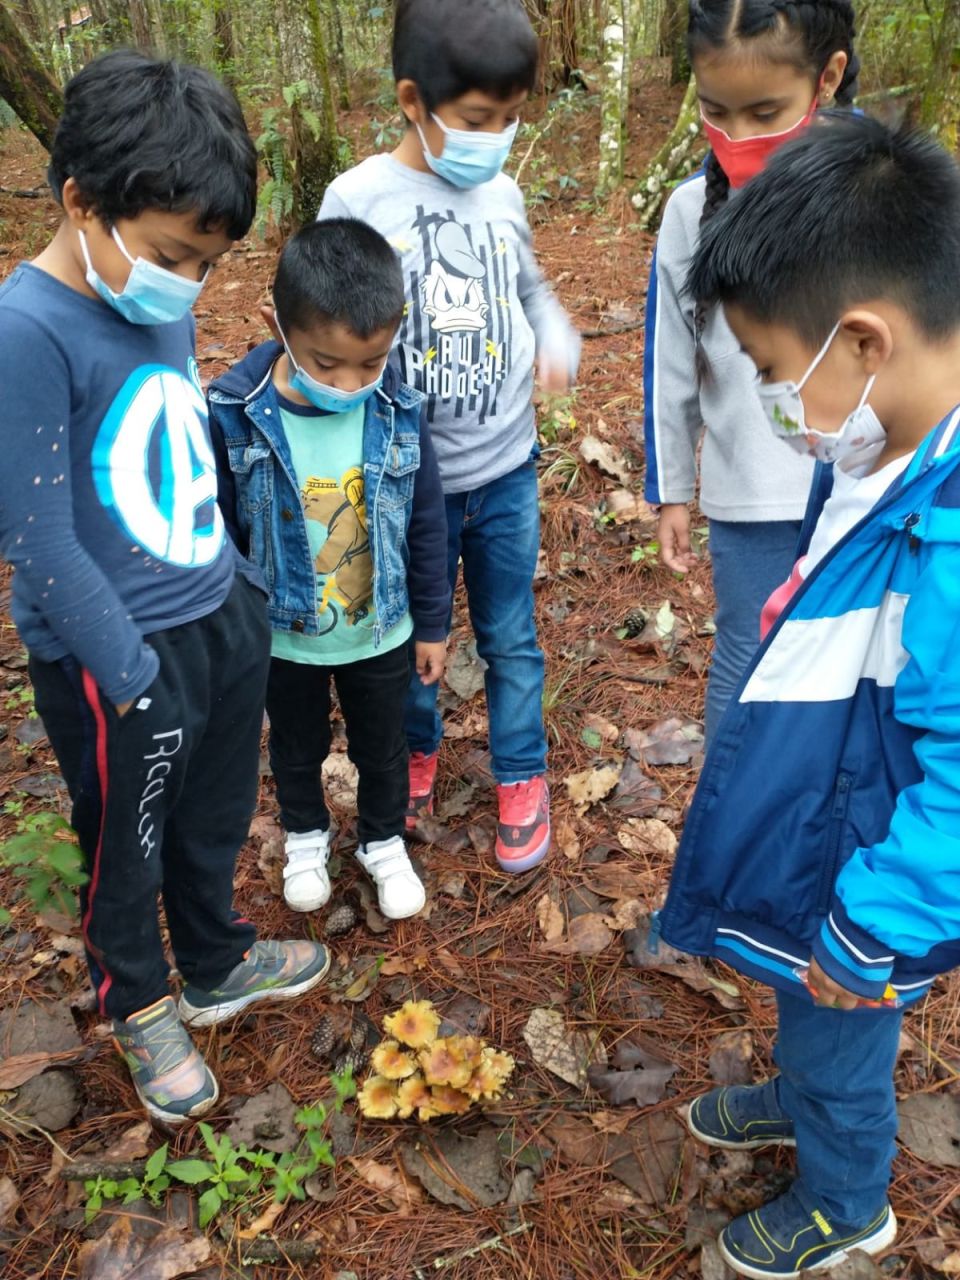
point(108, 487)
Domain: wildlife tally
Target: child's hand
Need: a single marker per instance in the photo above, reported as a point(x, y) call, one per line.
point(673, 534)
point(554, 376)
point(431, 657)
point(827, 993)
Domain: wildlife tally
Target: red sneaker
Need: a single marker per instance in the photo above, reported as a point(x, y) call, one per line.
point(423, 775)
point(523, 833)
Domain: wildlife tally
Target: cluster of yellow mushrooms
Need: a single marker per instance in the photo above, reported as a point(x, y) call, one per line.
point(414, 1071)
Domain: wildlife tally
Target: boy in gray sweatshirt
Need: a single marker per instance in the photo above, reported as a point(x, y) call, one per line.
point(479, 318)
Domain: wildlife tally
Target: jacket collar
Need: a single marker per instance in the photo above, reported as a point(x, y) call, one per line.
point(250, 377)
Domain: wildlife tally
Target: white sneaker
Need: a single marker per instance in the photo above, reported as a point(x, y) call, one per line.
point(398, 886)
point(306, 884)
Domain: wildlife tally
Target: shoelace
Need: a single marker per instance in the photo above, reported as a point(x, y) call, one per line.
point(421, 771)
point(519, 802)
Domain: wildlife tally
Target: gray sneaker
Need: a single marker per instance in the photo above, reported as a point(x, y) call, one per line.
point(269, 971)
point(171, 1078)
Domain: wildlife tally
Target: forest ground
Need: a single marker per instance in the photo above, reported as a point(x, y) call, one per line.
point(597, 1189)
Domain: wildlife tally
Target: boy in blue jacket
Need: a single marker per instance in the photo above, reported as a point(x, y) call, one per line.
point(822, 849)
point(148, 649)
point(331, 489)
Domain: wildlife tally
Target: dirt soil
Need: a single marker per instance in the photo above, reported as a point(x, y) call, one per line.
point(599, 1190)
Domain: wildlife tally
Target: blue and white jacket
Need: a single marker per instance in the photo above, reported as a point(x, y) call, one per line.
point(260, 500)
point(827, 817)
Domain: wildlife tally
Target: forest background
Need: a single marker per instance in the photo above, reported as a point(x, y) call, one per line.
point(582, 1169)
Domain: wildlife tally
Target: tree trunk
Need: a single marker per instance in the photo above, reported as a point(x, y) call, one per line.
point(940, 106)
point(673, 39)
point(223, 41)
point(25, 83)
point(677, 158)
point(146, 26)
point(306, 79)
point(335, 25)
point(612, 116)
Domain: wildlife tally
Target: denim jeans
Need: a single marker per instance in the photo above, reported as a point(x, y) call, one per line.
point(749, 561)
point(836, 1085)
point(495, 531)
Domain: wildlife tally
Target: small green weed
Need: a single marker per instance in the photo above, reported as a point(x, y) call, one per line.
point(43, 855)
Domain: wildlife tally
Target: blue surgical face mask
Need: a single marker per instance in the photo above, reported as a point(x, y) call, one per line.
point(469, 157)
point(152, 295)
point(322, 396)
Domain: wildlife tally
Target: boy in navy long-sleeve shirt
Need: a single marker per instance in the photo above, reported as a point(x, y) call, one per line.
point(148, 653)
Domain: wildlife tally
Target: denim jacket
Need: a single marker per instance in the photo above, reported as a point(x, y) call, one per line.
point(260, 501)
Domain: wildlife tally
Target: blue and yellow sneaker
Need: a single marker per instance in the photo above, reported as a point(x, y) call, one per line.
point(171, 1078)
point(784, 1239)
point(270, 971)
point(740, 1118)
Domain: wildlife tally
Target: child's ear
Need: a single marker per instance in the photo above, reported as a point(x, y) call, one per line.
point(832, 78)
point(411, 104)
point(268, 314)
point(869, 338)
point(76, 205)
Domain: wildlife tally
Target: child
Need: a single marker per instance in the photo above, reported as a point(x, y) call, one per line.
point(822, 843)
point(148, 652)
point(763, 67)
point(334, 493)
point(478, 314)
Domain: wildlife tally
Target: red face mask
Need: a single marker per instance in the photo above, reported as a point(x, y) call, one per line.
point(742, 158)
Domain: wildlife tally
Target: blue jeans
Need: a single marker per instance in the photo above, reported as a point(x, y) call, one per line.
point(495, 531)
point(749, 561)
point(836, 1085)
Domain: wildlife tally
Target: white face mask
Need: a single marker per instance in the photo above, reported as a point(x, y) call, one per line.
point(783, 405)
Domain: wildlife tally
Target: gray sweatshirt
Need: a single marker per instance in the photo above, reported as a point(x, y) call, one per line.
point(478, 309)
point(745, 472)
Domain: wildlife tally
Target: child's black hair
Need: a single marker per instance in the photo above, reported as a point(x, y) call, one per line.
point(138, 133)
point(339, 271)
point(448, 47)
point(849, 213)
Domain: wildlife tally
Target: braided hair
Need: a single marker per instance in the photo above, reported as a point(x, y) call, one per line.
point(805, 33)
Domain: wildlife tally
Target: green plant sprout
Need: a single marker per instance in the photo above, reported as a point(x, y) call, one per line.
point(44, 856)
point(230, 1177)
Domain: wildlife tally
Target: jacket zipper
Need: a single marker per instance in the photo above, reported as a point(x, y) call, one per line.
point(838, 819)
point(378, 626)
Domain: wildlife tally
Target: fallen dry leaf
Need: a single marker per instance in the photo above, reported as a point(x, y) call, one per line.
point(390, 968)
point(9, 1200)
point(390, 1182)
point(340, 782)
point(266, 1120)
point(566, 840)
point(929, 1124)
point(625, 914)
point(133, 1143)
point(603, 455)
point(550, 918)
point(689, 969)
point(458, 1169)
point(33, 1038)
point(640, 1077)
point(15, 1072)
point(857, 1265)
point(564, 1052)
point(635, 795)
point(587, 935)
point(265, 1222)
point(586, 788)
point(675, 740)
point(121, 1255)
point(731, 1061)
point(604, 729)
point(625, 505)
point(646, 1158)
point(464, 672)
point(647, 835)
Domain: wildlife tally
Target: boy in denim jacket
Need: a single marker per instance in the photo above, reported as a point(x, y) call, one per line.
point(331, 489)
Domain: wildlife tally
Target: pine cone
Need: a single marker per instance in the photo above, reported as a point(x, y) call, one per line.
point(340, 920)
point(358, 1036)
point(355, 1059)
point(634, 623)
point(325, 1038)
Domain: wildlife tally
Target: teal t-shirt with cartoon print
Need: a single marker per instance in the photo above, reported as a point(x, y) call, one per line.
point(327, 453)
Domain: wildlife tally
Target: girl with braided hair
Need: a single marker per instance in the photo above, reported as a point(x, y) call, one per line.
point(763, 68)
